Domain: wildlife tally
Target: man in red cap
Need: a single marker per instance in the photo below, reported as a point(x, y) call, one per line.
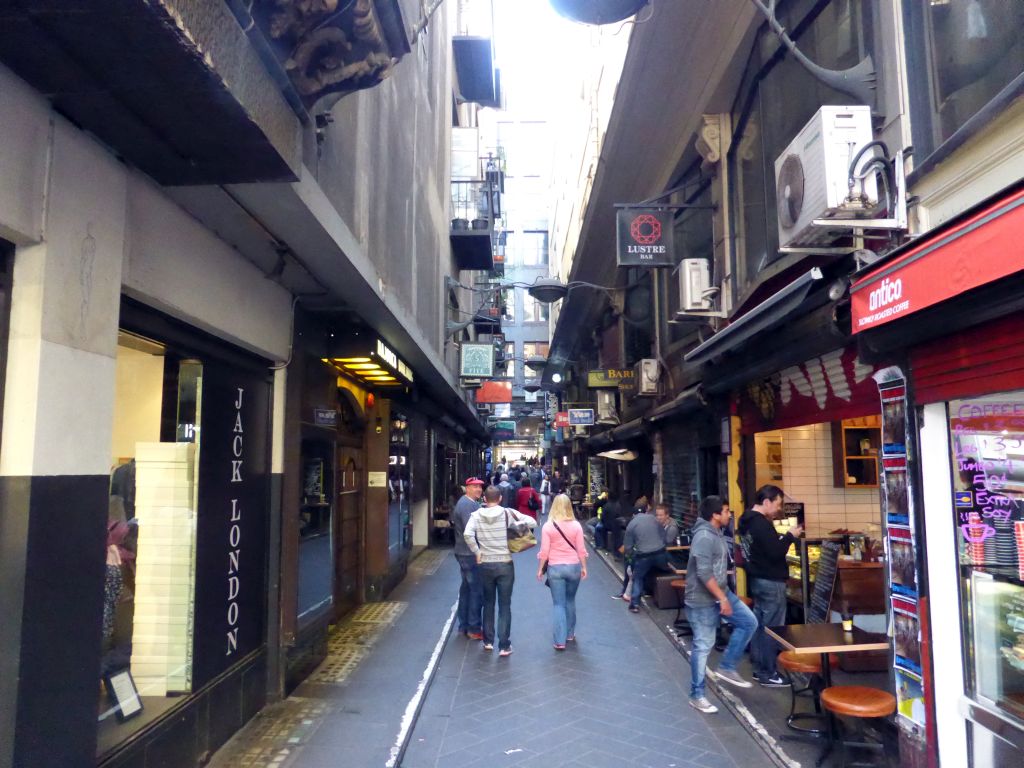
point(470, 591)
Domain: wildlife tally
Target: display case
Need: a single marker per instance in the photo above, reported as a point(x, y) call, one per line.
point(803, 564)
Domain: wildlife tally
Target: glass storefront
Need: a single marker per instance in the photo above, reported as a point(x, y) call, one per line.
point(149, 589)
point(987, 439)
point(6, 268)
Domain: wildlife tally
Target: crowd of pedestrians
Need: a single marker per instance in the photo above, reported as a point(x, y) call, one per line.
point(487, 520)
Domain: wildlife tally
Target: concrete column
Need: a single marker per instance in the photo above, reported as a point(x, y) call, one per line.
point(55, 457)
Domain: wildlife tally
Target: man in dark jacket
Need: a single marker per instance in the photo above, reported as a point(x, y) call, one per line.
point(471, 597)
point(765, 551)
point(645, 541)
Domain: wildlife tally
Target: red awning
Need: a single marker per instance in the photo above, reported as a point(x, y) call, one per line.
point(980, 249)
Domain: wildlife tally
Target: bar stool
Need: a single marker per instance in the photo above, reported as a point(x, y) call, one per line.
point(861, 703)
point(682, 626)
point(804, 664)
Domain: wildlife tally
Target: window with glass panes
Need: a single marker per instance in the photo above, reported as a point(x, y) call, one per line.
point(509, 371)
point(534, 311)
point(962, 55)
point(510, 305)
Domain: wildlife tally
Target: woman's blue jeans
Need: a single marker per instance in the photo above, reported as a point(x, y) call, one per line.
point(563, 580)
point(704, 622)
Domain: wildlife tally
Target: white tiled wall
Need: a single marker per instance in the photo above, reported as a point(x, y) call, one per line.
point(807, 477)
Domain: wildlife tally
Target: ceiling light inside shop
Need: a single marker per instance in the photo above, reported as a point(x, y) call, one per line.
point(381, 378)
point(352, 360)
point(362, 366)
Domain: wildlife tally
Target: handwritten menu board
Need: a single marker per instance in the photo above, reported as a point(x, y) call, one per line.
point(824, 582)
point(595, 476)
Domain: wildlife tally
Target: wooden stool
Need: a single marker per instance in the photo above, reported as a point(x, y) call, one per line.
point(857, 701)
point(809, 664)
point(682, 625)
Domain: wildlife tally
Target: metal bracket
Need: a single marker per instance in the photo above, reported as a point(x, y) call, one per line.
point(897, 222)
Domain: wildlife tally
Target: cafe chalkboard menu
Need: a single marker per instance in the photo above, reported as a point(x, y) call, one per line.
point(824, 583)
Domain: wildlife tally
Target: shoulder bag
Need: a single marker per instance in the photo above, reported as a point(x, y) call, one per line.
point(518, 541)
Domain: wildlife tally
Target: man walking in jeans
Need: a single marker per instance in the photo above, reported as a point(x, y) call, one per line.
point(708, 599)
point(765, 552)
point(487, 537)
point(470, 593)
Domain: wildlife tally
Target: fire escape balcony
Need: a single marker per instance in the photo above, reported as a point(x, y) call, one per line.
point(476, 205)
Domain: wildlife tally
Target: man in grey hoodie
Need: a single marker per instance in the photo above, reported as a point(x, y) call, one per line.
point(709, 599)
point(487, 537)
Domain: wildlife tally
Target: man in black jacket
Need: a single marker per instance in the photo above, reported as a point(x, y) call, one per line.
point(767, 572)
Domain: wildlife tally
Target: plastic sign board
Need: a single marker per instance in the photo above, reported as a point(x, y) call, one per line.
point(581, 417)
point(978, 250)
point(495, 392)
point(644, 237)
point(562, 419)
point(476, 361)
point(611, 378)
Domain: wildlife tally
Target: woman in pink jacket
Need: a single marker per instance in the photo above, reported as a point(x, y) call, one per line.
point(564, 553)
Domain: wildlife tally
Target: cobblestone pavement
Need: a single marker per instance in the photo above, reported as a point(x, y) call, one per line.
point(617, 697)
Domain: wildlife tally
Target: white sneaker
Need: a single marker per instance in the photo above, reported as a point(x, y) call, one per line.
point(730, 676)
point(703, 705)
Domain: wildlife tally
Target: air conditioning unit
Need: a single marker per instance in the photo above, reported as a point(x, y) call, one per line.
point(812, 176)
point(647, 373)
point(694, 282)
point(606, 412)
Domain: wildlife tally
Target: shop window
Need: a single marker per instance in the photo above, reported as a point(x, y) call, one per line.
point(987, 439)
point(315, 521)
point(149, 590)
point(776, 98)
point(6, 268)
point(399, 489)
point(963, 54)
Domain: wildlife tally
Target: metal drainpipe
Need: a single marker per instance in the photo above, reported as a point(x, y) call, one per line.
point(242, 13)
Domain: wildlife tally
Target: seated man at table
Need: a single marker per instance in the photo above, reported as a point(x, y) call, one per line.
point(709, 599)
point(664, 516)
point(645, 543)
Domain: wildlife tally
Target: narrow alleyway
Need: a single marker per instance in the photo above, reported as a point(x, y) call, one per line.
point(618, 697)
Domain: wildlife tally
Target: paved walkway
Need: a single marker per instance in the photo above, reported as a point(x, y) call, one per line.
point(616, 698)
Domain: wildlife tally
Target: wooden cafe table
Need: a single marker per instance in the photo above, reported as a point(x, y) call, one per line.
point(826, 639)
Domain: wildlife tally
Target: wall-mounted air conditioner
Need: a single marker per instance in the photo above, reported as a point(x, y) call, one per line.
point(647, 374)
point(812, 176)
point(606, 411)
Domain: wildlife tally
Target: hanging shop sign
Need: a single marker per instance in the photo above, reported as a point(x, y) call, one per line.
point(325, 417)
point(562, 419)
point(644, 238)
point(581, 417)
point(494, 392)
point(476, 361)
point(550, 406)
point(612, 378)
point(831, 387)
point(982, 249)
point(371, 362)
point(504, 430)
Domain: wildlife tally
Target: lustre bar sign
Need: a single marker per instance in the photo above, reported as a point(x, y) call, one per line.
point(645, 238)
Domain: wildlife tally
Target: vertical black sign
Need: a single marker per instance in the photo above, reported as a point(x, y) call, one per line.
point(231, 557)
point(645, 238)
